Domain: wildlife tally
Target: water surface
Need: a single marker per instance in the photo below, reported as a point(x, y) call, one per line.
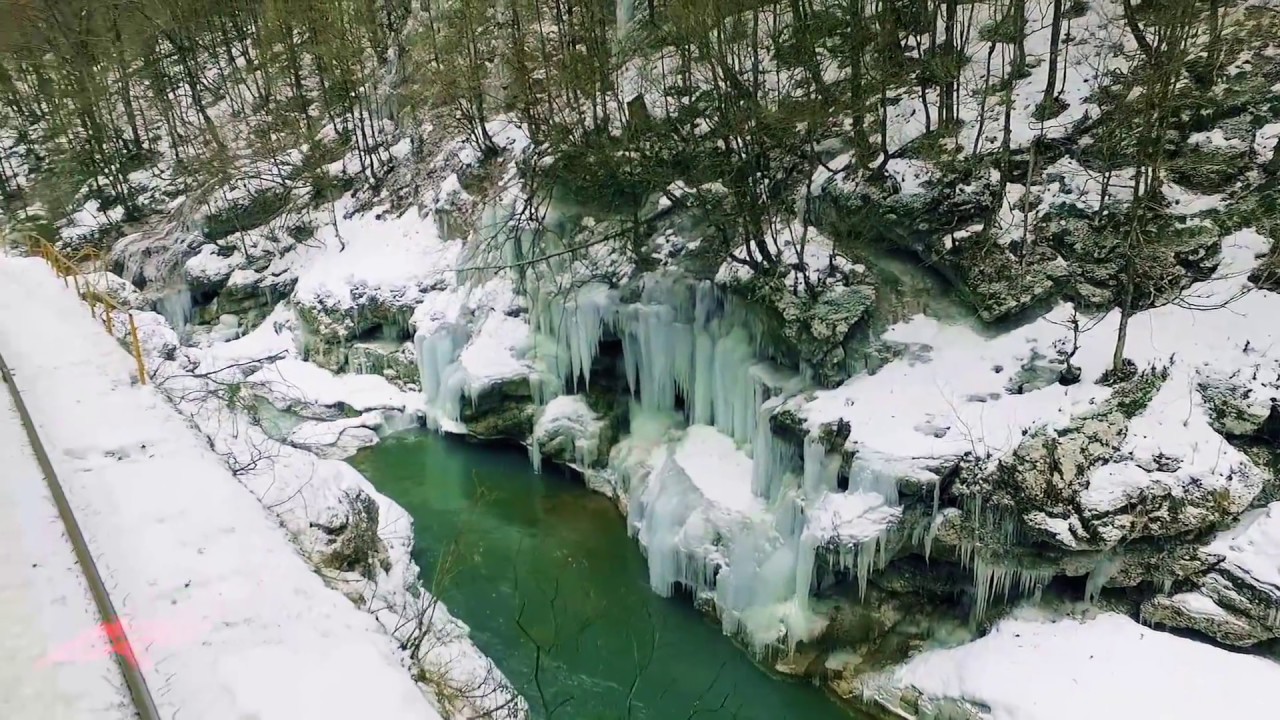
point(515, 548)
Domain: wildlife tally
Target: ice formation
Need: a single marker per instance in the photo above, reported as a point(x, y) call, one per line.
point(723, 507)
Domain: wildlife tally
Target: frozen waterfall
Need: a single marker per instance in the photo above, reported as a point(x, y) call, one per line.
point(724, 506)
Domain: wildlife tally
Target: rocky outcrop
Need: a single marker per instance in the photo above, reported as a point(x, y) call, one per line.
point(504, 410)
point(945, 223)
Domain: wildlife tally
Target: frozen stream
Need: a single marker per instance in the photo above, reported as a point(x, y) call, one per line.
point(523, 539)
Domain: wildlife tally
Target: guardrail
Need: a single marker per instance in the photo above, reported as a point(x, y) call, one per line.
point(101, 306)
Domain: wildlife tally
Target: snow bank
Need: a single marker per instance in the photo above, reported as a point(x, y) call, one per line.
point(1030, 668)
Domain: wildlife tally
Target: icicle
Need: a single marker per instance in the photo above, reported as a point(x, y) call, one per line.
point(821, 469)
point(625, 11)
point(771, 458)
point(442, 378)
point(1102, 572)
point(535, 453)
point(177, 307)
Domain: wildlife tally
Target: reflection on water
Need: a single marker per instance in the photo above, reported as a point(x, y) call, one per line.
point(543, 571)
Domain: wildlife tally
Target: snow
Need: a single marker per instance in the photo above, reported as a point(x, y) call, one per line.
point(182, 544)
point(290, 381)
point(1031, 668)
point(494, 351)
point(89, 219)
point(720, 471)
point(54, 659)
point(1205, 462)
point(396, 259)
point(467, 339)
point(852, 517)
point(568, 416)
point(913, 176)
point(1198, 604)
point(337, 439)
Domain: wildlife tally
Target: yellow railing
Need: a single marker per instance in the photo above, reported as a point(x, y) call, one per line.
point(101, 306)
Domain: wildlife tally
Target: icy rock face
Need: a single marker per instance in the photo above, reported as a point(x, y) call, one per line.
point(394, 361)
point(720, 504)
point(472, 345)
point(331, 329)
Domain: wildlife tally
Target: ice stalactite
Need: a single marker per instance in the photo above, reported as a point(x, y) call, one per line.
point(178, 307)
point(664, 511)
point(771, 458)
point(442, 378)
point(574, 324)
point(535, 453)
point(686, 341)
point(991, 580)
point(625, 13)
point(1102, 573)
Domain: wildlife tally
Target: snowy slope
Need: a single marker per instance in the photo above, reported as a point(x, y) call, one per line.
point(249, 629)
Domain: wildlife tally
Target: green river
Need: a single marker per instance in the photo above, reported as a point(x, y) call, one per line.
point(544, 549)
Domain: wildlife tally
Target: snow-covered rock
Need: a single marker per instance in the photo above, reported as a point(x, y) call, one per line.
point(1237, 600)
point(568, 431)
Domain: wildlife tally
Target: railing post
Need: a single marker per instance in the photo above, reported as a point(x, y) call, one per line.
point(137, 350)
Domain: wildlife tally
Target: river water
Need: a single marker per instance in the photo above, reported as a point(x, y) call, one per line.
point(507, 547)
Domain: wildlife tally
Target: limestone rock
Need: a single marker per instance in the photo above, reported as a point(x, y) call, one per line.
point(1236, 409)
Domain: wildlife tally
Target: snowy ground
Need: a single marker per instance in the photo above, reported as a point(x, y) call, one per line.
point(54, 658)
point(240, 624)
point(1033, 668)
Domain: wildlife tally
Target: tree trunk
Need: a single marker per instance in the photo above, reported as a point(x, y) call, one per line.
point(1055, 42)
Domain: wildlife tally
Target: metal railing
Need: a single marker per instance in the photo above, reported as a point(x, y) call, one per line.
point(101, 306)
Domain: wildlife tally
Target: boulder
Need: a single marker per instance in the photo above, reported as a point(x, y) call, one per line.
point(569, 432)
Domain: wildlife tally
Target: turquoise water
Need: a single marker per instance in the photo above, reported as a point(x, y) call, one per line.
point(544, 552)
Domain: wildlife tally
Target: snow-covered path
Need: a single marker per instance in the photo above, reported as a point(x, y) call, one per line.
point(45, 605)
point(228, 620)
